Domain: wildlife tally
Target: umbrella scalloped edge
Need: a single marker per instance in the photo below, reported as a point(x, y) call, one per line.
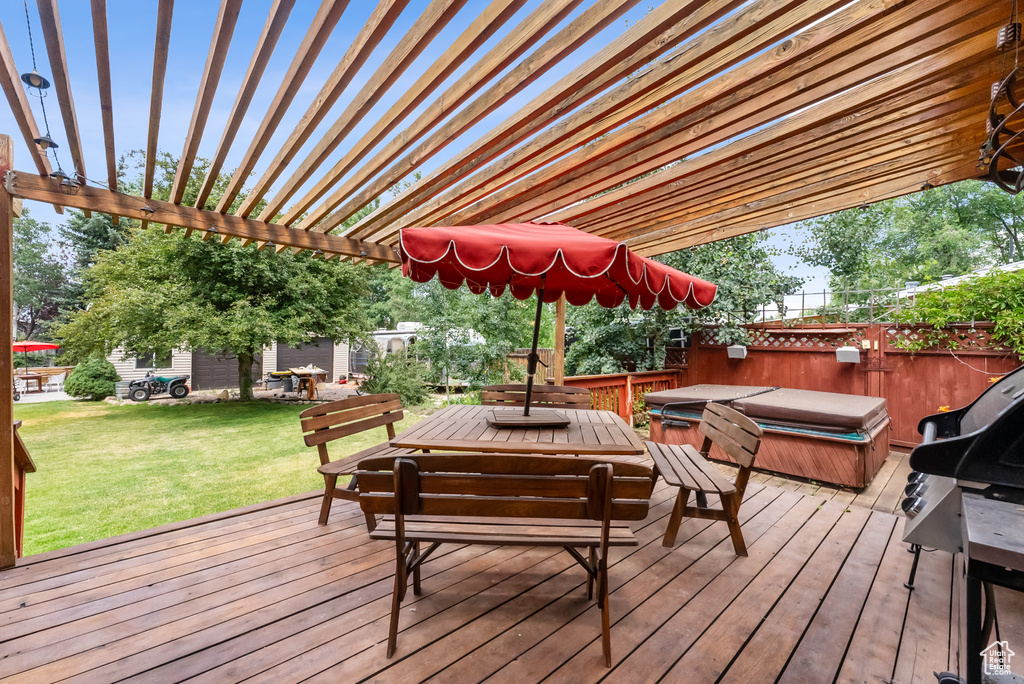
point(558, 258)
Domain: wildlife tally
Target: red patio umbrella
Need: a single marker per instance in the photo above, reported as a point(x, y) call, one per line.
point(26, 346)
point(550, 259)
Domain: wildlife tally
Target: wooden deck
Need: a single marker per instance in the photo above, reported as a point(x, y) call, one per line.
point(264, 593)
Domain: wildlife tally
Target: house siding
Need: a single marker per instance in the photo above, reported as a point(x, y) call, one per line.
point(340, 361)
point(181, 364)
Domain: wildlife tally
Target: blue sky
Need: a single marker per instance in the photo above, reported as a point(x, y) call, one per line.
point(132, 25)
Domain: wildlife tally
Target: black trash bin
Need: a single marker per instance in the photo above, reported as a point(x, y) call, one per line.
point(289, 386)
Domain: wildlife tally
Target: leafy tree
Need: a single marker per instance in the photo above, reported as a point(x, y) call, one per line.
point(621, 339)
point(997, 297)
point(42, 284)
point(452, 317)
point(157, 292)
point(952, 230)
point(88, 236)
point(395, 373)
point(391, 298)
point(93, 379)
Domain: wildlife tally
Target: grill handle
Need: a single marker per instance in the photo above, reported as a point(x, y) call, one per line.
point(930, 432)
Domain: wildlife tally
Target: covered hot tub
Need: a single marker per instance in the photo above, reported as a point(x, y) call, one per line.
point(842, 439)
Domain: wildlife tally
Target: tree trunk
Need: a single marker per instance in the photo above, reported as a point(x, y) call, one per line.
point(245, 377)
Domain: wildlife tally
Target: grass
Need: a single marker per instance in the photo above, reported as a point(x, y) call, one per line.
point(105, 470)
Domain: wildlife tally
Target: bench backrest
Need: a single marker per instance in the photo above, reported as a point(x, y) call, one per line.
point(333, 420)
point(543, 395)
point(732, 432)
point(490, 485)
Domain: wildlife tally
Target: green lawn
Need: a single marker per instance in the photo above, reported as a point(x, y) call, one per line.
point(105, 470)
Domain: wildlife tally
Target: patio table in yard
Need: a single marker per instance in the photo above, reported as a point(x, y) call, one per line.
point(37, 378)
point(465, 428)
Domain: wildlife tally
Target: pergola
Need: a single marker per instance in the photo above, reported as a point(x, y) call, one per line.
point(704, 120)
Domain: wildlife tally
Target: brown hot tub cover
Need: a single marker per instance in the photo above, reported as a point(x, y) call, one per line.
point(828, 411)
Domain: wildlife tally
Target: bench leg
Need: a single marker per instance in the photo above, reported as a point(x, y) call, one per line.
point(416, 570)
point(675, 519)
point(731, 505)
point(330, 481)
point(590, 577)
point(606, 622)
point(396, 605)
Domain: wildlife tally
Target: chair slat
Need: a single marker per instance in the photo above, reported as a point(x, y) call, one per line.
point(349, 415)
point(330, 434)
point(543, 395)
point(508, 464)
point(349, 403)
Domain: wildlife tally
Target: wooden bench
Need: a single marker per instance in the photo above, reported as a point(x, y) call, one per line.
point(336, 419)
point(683, 466)
point(545, 396)
point(504, 500)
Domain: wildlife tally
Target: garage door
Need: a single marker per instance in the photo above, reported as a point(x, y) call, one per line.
point(219, 371)
point(319, 353)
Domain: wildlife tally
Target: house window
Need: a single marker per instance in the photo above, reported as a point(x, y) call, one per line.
point(151, 361)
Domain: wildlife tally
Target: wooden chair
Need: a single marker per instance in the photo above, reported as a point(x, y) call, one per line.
point(333, 420)
point(545, 396)
point(683, 466)
point(484, 498)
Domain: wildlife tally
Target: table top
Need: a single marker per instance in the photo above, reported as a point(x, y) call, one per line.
point(464, 428)
point(29, 376)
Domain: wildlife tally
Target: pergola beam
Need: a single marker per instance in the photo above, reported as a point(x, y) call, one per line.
point(510, 48)
point(663, 137)
point(421, 34)
point(774, 167)
point(102, 43)
point(223, 31)
point(540, 61)
point(462, 48)
point(938, 171)
point(747, 32)
point(10, 81)
point(373, 31)
point(316, 36)
point(276, 20)
point(33, 187)
point(49, 17)
point(161, 45)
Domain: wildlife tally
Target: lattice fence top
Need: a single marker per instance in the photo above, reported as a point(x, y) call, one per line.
point(791, 338)
point(967, 338)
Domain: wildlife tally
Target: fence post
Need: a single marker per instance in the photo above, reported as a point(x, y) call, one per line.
point(559, 360)
point(8, 536)
point(629, 399)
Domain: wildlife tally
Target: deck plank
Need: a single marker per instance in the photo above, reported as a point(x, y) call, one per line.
point(267, 594)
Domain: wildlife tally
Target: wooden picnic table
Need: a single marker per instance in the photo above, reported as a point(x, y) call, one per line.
point(32, 377)
point(465, 428)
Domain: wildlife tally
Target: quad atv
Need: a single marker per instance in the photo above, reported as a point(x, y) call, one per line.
point(143, 389)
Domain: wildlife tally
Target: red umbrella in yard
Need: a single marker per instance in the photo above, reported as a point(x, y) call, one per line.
point(26, 346)
point(550, 259)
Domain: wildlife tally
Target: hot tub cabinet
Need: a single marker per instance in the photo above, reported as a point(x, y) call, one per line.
point(841, 439)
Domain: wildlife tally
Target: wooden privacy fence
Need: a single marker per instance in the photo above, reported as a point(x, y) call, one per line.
point(547, 358)
point(914, 384)
point(622, 392)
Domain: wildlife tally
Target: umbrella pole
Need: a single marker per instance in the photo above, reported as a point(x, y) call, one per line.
point(533, 358)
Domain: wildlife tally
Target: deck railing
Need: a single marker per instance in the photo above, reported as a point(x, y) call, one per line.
point(623, 392)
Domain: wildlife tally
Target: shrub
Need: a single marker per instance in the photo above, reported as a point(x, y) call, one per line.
point(93, 379)
point(997, 297)
point(395, 373)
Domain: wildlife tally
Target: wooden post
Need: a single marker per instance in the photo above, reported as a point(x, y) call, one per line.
point(8, 540)
point(559, 361)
